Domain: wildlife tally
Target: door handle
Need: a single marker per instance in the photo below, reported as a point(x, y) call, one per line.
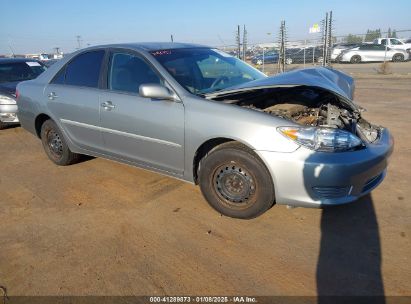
point(52, 95)
point(107, 105)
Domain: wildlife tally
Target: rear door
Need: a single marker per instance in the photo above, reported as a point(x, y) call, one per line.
point(378, 52)
point(141, 130)
point(73, 99)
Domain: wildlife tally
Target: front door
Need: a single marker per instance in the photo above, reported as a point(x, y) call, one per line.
point(141, 130)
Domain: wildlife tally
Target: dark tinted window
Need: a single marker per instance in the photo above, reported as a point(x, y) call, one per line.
point(59, 78)
point(19, 71)
point(128, 72)
point(365, 47)
point(84, 70)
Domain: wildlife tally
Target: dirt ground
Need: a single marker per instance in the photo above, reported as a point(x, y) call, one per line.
point(103, 228)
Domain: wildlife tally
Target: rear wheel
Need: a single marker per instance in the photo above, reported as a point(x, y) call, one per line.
point(55, 145)
point(355, 59)
point(235, 182)
point(398, 57)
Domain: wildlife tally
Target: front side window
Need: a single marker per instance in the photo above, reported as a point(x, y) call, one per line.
point(396, 42)
point(127, 72)
point(201, 70)
point(384, 41)
point(20, 71)
point(84, 70)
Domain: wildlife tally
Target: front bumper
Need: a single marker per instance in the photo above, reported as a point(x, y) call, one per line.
point(8, 113)
point(314, 179)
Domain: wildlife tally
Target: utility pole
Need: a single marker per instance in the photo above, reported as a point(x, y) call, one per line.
point(78, 42)
point(327, 38)
point(244, 42)
point(281, 51)
point(172, 38)
point(330, 37)
point(238, 41)
point(12, 51)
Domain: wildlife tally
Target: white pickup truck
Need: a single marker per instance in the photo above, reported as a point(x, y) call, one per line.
point(393, 43)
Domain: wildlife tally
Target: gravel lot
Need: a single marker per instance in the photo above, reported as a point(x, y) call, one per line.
point(103, 228)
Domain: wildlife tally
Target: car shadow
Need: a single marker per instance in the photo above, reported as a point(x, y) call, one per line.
point(349, 261)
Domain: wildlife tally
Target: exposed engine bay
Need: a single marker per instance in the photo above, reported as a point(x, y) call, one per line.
point(308, 106)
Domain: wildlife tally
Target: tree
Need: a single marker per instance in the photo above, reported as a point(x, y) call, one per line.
point(394, 34)
point(353, 39)
point(372, 34)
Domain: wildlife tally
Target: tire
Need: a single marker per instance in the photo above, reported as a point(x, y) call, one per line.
point(55, 145)
point(235, 182)
point(398, 57)
point(2, 125)
point(355, 59)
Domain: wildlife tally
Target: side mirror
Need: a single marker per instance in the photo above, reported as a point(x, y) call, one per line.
point(156, 91)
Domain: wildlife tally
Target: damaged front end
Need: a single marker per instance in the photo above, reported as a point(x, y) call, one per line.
point(319, 111)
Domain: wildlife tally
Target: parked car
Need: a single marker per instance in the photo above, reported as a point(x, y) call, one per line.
point(12, 71)
point(338, 48)
point(269, 57)
point(393, 43)
point(203, 116)
point(372, 52)
point(310, 55)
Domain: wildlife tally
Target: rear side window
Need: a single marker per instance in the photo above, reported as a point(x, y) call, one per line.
point(59, 78)
point(19, 71)
point(84, 70)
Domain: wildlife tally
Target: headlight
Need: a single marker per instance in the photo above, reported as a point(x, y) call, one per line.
point(5, 100)
point(321, 139)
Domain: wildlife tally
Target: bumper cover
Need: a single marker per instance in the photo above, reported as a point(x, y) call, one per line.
point(8, 113)
point(315, 179)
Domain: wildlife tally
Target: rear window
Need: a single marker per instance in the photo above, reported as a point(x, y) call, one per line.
point(84, 70)
point(20, 71)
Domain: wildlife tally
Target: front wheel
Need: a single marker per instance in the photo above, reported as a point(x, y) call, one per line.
point(55, 145)
point(235, 182)
point(398, 57)
point(355, 59)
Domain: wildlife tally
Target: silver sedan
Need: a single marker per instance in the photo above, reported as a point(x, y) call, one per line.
point(372, 52)
point(205, 117)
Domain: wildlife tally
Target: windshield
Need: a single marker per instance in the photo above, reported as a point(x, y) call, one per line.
point(202, 70)
point(19, 71)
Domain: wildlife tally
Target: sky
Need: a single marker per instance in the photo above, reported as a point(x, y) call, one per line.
point(28, 26)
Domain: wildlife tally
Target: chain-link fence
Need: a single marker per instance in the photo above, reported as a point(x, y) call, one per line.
point(346, 51)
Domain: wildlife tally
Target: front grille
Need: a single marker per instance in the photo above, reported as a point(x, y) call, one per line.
point(331, 192)
point(371, 183)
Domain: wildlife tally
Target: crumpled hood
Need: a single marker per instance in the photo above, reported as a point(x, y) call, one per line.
point(326, 78)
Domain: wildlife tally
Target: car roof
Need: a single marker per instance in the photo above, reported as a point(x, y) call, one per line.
point(153, 46)
point(12, 60)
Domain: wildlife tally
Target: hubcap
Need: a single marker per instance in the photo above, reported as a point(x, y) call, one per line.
point(234, 184)
point(55, 143)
